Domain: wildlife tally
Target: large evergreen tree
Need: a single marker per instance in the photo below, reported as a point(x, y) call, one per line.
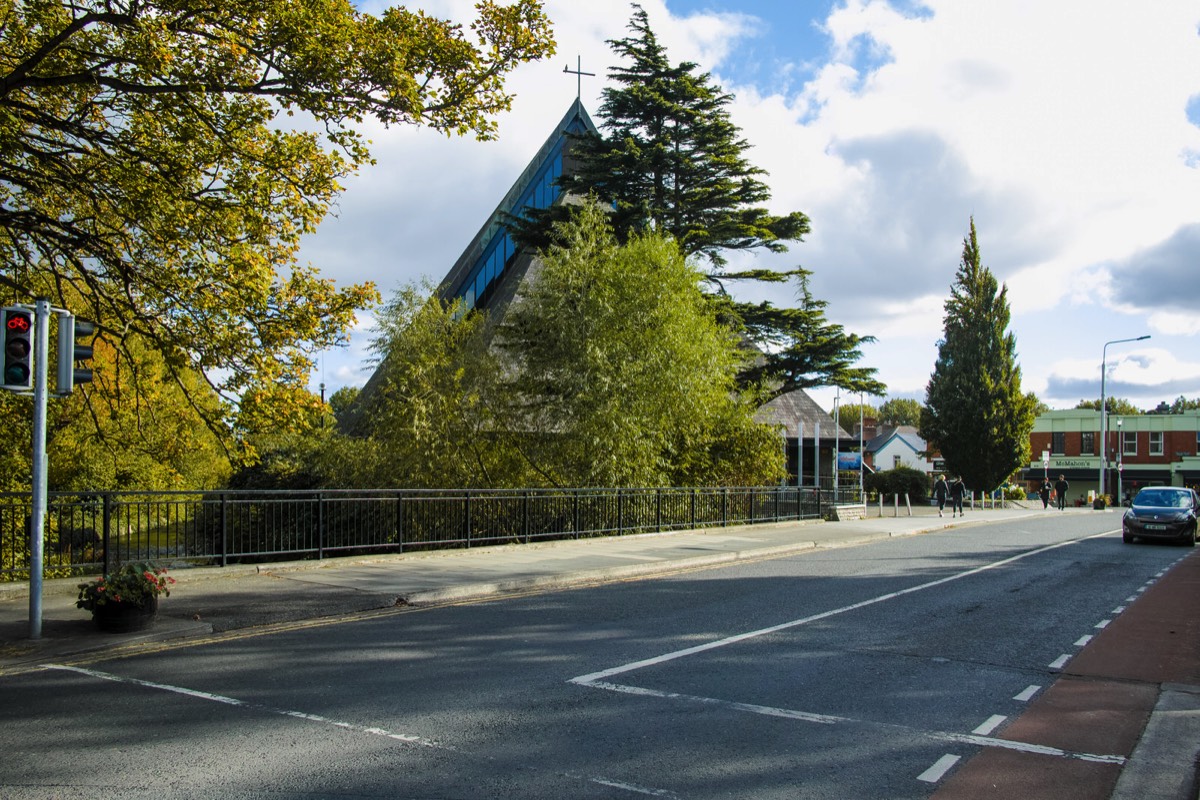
point(975, 415)
point(804, 349)
point(670, 159)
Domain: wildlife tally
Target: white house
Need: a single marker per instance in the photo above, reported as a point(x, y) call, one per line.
point(898, 447)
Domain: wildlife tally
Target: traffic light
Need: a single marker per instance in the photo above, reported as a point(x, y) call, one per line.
point(18, 349)
point(72, 350)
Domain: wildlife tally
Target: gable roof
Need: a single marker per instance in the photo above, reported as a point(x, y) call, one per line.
point(788, 410)
point(904, 433)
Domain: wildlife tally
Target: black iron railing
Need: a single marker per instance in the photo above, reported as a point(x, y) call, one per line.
point(88, 533)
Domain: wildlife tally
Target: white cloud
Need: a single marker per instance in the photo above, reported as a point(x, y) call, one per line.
point(1061, 127)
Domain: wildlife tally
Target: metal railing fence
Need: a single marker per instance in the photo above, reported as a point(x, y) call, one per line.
point(97, 532)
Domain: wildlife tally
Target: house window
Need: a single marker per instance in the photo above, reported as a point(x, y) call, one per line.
point(1087, 444)
point(895, 462)
point(1129, 443)
point(1058, 443)
point(1156, 443)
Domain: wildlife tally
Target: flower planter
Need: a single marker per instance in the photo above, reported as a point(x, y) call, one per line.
point(125, 617)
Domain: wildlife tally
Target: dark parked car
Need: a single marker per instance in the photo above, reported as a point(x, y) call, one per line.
point(1162, 512)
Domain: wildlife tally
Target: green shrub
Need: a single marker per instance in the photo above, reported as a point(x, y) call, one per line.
point(900, 481)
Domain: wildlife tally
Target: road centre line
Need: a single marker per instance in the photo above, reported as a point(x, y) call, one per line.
point(601, 675)
point(406, 738)
point(1083, 640)
point(827, 719)
point(1059, 662)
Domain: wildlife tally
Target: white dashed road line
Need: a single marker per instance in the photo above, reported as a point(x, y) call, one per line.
point(1027, 695)
point(990, 725)
point(406, 738)
point(939, 769)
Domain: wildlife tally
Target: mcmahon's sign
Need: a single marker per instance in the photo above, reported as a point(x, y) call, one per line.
point(1066, 463)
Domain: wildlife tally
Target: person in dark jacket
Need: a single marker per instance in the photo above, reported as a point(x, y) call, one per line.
point(1060, 489)
point(957, 490)
point(941, 490)
point(1045, 492)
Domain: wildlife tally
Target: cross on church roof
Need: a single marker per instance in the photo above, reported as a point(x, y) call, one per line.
point(578, 73)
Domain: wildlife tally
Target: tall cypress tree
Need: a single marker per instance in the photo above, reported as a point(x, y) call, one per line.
point(975, 415)
point(670, 159)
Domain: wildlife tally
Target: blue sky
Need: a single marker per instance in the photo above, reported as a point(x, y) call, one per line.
point(1070, 131)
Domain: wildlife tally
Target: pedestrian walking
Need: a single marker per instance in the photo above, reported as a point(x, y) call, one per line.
point(1045, 492)
point(957, 490)
point(1060, 488)
point(941, 490)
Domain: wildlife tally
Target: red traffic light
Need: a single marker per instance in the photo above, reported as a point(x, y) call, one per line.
point(19, 323)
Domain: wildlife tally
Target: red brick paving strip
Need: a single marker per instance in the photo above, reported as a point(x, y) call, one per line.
point(1101, 703)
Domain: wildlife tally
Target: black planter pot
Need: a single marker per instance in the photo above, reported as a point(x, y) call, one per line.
point(125, 617)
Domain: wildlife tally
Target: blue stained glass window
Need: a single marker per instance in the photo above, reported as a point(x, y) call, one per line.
point(540, 193)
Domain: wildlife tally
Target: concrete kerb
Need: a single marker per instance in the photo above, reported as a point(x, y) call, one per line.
point(1165, 765)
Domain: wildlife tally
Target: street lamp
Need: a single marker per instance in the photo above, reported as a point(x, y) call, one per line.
point(1103, 431)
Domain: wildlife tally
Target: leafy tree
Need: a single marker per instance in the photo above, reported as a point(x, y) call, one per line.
point(427, 420)
point(1113, 405)
point(1182, 404)
point(975, 414)
point(852, 412)
point(899, 411)
point(148, 171)
point(671, 160)
point(137, 426)
point(620, 362)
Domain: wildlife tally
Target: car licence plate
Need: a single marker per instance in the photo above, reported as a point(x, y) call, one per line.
point(1153, 527)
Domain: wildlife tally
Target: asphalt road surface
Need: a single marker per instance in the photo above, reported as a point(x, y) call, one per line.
point(864, 672)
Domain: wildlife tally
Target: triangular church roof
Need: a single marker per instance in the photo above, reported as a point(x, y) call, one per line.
point(491, 267)
point(486, 273)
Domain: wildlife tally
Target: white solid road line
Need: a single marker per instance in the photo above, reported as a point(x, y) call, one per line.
point(605, 674)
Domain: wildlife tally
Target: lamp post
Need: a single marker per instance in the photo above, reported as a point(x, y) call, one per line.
point(1103, 438)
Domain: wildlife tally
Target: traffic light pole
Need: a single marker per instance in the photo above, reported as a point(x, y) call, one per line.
point(39, 481)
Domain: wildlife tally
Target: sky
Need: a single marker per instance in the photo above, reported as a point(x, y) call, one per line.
point(1068, 130)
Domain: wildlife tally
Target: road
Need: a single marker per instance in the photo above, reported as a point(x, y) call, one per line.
point(868, 672)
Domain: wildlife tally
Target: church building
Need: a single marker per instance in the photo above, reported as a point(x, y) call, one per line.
point(491, 269)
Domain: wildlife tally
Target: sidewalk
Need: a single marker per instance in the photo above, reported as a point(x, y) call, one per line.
point(209, 601)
